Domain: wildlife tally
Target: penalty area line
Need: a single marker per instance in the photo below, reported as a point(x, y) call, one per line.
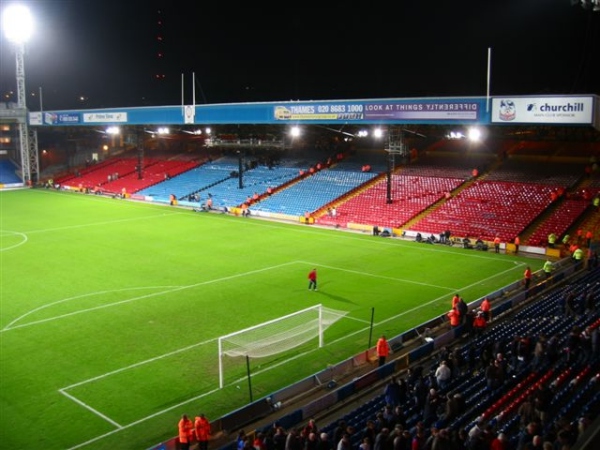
point(89, 408)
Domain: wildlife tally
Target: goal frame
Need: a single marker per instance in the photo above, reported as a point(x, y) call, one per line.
point(318, 307)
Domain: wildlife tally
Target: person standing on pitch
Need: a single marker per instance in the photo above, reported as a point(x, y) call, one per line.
point(312, 280)
point(383, 350)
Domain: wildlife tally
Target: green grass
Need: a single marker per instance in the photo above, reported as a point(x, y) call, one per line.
point(110, 310)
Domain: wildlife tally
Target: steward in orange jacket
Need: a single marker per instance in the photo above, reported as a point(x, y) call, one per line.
point(202, 429)
point(454, 317)
point(486, 308)
point(186, 432)
point(383, 350)
point(479, 324)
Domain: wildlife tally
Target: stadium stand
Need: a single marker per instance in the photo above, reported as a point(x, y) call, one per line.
point(8, 172)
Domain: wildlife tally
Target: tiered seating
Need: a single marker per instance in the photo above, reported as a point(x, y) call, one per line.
point(488, 209)
point(411, 195)
point(313, 192)
point(191, 181)
point(565, 175)
point(216, 178)
point(229, 194)
point(561, 219)
point(98, 175)
point(154, 172)
point(8, 172)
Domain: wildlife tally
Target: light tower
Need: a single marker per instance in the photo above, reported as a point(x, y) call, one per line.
point(17, 24)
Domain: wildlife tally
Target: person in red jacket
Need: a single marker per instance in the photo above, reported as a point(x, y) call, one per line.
point(479, 324)
point(383, 350)
point(312, 280)
point(527, 277)
point(186, 432)
point(497, 244)
point(486, 309)
point(455, 300)
point(202, 431)
point(454, 317)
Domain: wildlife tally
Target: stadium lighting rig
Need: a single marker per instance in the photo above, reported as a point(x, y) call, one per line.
point(18, 26)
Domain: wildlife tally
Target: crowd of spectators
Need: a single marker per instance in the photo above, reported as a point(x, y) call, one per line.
point(428, 406)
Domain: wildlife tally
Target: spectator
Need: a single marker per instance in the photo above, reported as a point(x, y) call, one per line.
point(527, 412)
point(455, 406)
point(432, 402)
point(443, 375)
point(493, 377)
point(365, 444)
point(293, 440)
point(539, 351)
point(381, 439)
point(259, 441)
point(311, 427)
point(542, 401)
point(392, 392)
point(279, 438)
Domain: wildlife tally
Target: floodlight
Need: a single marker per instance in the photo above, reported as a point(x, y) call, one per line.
point(17, 23)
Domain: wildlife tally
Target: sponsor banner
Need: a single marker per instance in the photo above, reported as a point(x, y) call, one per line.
point(35, 118)
point(381, 110)
point(189, 114)
point(106, 117)
point(547, 110)
point(52, 118)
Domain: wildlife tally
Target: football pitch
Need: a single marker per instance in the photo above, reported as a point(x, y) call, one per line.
point(110, 310)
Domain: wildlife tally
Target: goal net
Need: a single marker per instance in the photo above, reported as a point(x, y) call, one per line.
point(278, 335)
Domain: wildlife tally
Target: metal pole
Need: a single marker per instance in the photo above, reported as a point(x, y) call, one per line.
point(370, 331)
point(249, 377)
point(487, 94)
point(240, 170)
point(389, 176)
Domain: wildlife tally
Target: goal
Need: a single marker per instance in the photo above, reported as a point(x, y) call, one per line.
point(277, 335)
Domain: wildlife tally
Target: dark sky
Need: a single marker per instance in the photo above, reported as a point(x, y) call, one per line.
point(106, 51)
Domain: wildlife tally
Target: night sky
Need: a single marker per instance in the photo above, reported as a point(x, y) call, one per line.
point(96, 54)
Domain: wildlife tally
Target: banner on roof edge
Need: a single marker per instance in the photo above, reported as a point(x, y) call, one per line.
point(543, 110)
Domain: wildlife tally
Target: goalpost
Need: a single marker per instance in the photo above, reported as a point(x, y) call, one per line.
point(277, 335)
